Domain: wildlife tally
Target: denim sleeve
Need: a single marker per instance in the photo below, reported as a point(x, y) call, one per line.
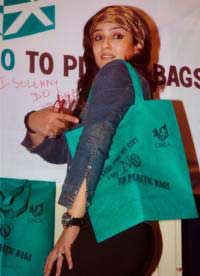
point(51, 150)
point(112, 95)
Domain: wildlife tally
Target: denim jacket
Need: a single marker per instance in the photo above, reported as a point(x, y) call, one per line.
point(112, 95)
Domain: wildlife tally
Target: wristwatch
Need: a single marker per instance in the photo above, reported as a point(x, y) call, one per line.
point(68, 220)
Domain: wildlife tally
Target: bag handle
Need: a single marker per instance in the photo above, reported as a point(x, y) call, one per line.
point(16, 202)
point(135, 82)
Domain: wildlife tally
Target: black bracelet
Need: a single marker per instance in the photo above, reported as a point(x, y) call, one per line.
point(26, 118)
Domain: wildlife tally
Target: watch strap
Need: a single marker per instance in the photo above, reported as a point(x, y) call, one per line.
point(68, 220)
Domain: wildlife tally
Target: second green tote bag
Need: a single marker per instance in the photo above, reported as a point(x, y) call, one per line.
point(26, 225)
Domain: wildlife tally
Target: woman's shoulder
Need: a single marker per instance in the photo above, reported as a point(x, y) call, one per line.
point(113, 74)
point(117, 66)
point(116, 72)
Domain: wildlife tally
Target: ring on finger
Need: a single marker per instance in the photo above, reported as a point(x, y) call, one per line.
point(59, 255)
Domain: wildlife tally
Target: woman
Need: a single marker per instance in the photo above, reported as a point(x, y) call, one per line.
point(114, 34)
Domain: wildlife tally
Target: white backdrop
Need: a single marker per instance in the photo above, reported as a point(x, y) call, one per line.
point(21, 91)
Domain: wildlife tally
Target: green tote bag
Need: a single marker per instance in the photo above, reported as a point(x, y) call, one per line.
point(146, 175)
point(26, 225)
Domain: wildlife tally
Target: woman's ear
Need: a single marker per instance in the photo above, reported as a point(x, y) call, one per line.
point(137, 48)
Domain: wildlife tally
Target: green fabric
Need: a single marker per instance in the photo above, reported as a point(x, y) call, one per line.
point(26, 225)
point(146, 175)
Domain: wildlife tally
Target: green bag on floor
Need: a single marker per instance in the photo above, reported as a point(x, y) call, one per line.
point(27, 210)
point(146, 175)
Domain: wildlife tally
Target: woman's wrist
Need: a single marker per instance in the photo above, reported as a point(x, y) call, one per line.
point(26, 122)
point(35, 137)
point(68, 220)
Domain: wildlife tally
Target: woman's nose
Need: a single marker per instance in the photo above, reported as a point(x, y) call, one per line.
point(106, 43)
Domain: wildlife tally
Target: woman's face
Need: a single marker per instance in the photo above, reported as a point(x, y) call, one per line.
point(111, 41)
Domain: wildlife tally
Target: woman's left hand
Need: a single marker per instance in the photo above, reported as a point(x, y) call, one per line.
point(62, 249)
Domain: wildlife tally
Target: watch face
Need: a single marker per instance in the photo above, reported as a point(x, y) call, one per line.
point(66, 219)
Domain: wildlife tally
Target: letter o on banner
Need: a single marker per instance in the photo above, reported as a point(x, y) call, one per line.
point(7, 59)
point(46, 67)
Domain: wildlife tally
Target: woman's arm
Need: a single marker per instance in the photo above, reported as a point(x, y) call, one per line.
point(63, 245)
point(112, 95)
point(46, 139)
point(47, 123)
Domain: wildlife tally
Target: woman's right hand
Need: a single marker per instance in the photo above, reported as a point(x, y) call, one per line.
point(47, 122)
point(61, 250)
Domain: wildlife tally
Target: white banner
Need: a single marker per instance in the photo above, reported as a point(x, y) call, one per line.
point(41, 55)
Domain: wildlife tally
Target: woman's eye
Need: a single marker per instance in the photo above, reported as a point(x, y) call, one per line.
point(118, 36)
point(97, 37)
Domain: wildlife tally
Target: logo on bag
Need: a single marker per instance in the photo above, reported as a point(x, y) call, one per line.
point(23, 18)
point(5, 230)
point(161, 134)
point(123, 165)
point(122, 161)
point(130, 161)
point(37, 210)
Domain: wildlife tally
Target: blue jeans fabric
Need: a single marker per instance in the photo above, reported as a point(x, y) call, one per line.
point(112, 95)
